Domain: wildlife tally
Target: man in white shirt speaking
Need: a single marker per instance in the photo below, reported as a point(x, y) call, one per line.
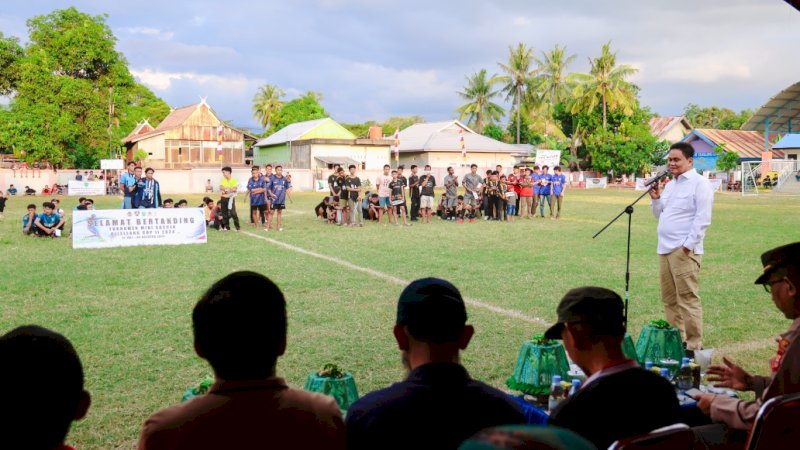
point(683, 211)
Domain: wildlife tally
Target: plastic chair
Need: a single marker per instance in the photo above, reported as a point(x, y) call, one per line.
point(776, 424)
point(673, 437)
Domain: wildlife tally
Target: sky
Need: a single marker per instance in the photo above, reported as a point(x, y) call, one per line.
point(372, 59)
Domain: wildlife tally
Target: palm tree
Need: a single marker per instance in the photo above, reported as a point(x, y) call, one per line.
point(606, 83)
point(552, 80)
point(266, 103)
point(519, 75)
point(480, 110)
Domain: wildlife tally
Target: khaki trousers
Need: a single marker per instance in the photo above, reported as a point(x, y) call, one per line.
point(679, 275)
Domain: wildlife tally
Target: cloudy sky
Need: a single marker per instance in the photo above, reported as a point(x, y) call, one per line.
point(373, 59)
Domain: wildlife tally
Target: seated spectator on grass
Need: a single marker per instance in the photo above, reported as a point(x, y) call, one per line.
point(213, 213)
point(28, 220)
point(781, 278)
point(44, 391)
point(89, 203)
point(242, 335)
point(12, 190)
point(46, 190)
point(438, 405)
point(321, 210)
point(209, 186)
point(374, 207)
point(29, 191)
point(182, 203)
point(169, 203)
point(49, 223)
point(81, 200)
point(767, 182)
point(619, 399)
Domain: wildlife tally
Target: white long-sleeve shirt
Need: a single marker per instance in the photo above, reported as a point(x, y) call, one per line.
point(684, 213)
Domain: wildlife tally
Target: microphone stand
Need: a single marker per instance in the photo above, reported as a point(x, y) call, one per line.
point(629, 211)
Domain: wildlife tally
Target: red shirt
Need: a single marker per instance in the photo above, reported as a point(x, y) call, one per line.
point(513, 181)
point(526, 191)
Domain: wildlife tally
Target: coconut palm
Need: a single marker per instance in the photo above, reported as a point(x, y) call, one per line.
point(606, 84)
point(266, 103)
point(518, 76)
point(480, 110)
point(552, 80)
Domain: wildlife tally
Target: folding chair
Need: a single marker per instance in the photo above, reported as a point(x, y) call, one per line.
point(776, 424)
point(673, 437)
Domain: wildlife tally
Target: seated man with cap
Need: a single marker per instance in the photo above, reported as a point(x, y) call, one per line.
point(781, 278)
point(618, 399)
point(438, 405)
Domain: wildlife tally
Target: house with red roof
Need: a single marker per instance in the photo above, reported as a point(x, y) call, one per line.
point(670, 128)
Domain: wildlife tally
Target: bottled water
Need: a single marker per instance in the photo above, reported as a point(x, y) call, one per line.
point(576, 384)
point(556, 393)
point(684, 376)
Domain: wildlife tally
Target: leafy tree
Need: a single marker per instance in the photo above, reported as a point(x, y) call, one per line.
point(605, 84)
point(716, 117)
point(631, 149)
point(400, 122)
point(517, 79)
point(493, 131)
point(266, 103)
point(552, 84)
point(10, 54)
point(726, 161)
point(479, 92)
point(524, 134)
point(299, 110)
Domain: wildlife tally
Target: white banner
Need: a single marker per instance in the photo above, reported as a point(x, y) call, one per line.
point(549, 158)
point(112, 164)
point(716, 183)
point(640, 184)
point(132, 227)
point(76, 187)
point(596, 183)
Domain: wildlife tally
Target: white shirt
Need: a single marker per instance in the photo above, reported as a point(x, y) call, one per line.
point(684, 213)
point(615, 369)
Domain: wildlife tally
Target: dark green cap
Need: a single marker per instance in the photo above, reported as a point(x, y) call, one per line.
point(590, 304)
point(779, 257)
point(433, 310)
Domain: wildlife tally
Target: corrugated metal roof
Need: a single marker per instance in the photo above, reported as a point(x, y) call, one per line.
point(661, 125)
point(788, 141)
point(779, 110)
point(142, 128)
point(444, 137)
point(747, 144)
point(290, 132)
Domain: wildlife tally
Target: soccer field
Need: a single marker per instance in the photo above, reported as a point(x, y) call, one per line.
point(128, 310)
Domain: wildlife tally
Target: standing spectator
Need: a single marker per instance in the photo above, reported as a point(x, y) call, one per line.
point(3, 199)
point(341, 182)
point(545, 179)
point(78, 176)
point(384, 193)
point(494, 195)
point(511, 201)
point(257, 191)
point(427, 183)
point(353, 183)
point(150, 196)
point(413, 189)
point(23, 169)
point(591, 325)
point(398, 198)
point(228, 187)
point(28, 220)
point(684, 214)
point(138, 190)
point(472, 186)
point(513, 181)
point(451, 192)
point(209, 187)
point(127, 182)
point(49, 222)
point(526, 193)
point(278, 188)
point(32, 417)
point(537, 187)
point(401, 178)
point(248, 406)
point(332, 180)
point(438, 405)
point(559, 184)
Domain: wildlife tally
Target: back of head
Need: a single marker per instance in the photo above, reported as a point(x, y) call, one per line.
point(43, 380)
point(432, 310)
point(240, 326)
point(526, 437)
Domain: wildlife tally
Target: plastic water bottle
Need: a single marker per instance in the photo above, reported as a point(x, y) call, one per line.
point(556, 393)
point(576, 384)
point(648, 365)
point(665, 374)
point(684, 376)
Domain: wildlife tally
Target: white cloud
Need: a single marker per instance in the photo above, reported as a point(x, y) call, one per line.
point(198, 21)
point(704, 68)
point(521, 21)
point(211, 83)
point(151, 32)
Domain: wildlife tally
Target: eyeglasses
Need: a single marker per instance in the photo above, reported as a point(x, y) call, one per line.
point(768, 285)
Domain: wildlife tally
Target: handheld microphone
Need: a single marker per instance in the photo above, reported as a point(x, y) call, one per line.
point(655, 179)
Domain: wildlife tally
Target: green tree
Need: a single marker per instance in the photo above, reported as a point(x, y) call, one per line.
point(517, 79)
point(552, 83)
point(361, 130)
point(493, 131)
point(726, 161)
point(523, 134)
point(629, 149)
point(480, 110)
point(266, 103)
point(605, 84)
point(399, 123)
point(10, 54)
point(716, 117)
point(299, 110)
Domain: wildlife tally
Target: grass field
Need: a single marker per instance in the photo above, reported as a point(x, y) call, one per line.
point(128, 310)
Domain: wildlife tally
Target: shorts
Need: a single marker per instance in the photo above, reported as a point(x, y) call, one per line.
point(426, 201)
point(278, 206)
point(399, 203)
point(384, 202)
point(511, 208)
point(127, 203)
point(470, 200)
point(450, 202)
point(259, 208)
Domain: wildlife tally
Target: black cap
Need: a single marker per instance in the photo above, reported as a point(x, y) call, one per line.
point(590, 304)
point(433, 310)
point(779, 257)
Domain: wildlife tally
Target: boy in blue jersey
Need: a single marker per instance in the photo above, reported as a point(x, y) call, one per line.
point(545, 179)
point(138, 188)
point(257, 190)
point(277, 189)
point(49, 221)
point(127, 182)
point(536, 177)
point(148, 191)
point(28, 220)
point(559, 184)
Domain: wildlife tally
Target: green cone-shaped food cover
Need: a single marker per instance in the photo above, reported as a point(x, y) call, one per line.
point(539, 359)
point(658, 340)
point(628, 348)
point(342, 389)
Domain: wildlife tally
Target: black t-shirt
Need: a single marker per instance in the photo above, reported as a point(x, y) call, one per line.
point(402, 179)
point(334, 186)
point(427, 183)
point(397, 190)
point(340, 181)
point(625, 404)
point(413, 179)
point(353, 183)
point(2, 203)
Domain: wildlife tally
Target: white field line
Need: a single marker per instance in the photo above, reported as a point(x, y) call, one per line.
point(468, 300)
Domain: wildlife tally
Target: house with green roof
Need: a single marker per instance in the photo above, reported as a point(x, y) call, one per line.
point(319, 145)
